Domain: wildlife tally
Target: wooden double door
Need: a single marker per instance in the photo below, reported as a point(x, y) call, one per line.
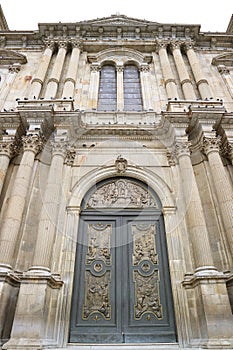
point(122, 291)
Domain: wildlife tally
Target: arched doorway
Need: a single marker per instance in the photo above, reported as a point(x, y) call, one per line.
point(122, 291)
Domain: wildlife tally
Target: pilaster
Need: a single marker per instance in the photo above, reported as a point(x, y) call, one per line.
point(8, 148)
point(94, 86)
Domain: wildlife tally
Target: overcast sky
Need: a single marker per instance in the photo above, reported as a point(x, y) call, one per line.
point(212, 15)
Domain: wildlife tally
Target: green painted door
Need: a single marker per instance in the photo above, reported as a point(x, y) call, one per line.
point(122, 291)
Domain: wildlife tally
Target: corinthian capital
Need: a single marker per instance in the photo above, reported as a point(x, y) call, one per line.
point(59, 148)
point(33, 143)
point(211, 144)
point(182, 148)
point(8, 148)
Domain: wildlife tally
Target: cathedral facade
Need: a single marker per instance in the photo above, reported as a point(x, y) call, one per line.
point(116, 195)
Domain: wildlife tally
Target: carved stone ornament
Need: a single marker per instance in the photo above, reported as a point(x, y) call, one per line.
point(33, 143)
point(8, 148)
point(70, 157)
point(121, 193)
point(211, 144)
point(121, 165)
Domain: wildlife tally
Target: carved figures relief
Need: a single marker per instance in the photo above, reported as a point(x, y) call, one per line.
point(121, 193)
point(146, 275)
point(97, 273)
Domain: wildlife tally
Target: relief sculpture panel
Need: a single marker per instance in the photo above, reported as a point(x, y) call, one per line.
point(121, 194)
point(145, 272)
point(97, 273)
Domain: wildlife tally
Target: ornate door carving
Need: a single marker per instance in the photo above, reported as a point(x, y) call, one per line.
point(122, 287)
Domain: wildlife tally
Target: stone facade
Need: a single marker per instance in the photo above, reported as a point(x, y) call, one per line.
point(55, 145)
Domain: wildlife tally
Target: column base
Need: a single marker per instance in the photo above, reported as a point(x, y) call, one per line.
point(9, 288)
point(35, 319)
point(211, 316)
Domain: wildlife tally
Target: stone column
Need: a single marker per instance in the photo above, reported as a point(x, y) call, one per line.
point(195, 219)
point(13, 214)
point(49, 213)
point(169, 79)
point(185, 81)
point(94, 86)
point(199, 76)
point(146, 86)
point(224, 71)
point(7, 151)
point(38, 80)
point(54, 79)
point(230, 151)
point(70, 81)
point(13, 70)
point(223, 188)
point(120, 87)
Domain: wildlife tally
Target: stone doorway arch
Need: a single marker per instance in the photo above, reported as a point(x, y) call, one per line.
point(122, 291)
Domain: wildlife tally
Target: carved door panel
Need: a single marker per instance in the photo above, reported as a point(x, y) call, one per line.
point(122, 290)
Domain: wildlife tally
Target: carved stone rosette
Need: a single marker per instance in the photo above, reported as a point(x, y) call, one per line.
point(34, 143)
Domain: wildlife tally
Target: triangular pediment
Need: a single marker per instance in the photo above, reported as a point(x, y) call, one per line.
point(118, 20)
point(11, 57)
point(224, 59)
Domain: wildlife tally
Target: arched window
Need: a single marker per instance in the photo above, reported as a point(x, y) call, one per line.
point(132, 89)
point(107, 99)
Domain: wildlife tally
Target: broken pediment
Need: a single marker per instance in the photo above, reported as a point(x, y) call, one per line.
point(10, 57)
point(223, 60)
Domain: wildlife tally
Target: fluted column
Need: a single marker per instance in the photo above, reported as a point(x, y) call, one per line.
point(222, 185)
point(49, 212)
point(195, 219)
point(146, 86)
point(94, 86)
point(54, 79)
point(7, 150)
point(169, 79)
point(70, 81)
point(120, 87)
point(15, 206)
point(199, 76)
point(185, 81)
point(230, 151)
point(38, 80)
